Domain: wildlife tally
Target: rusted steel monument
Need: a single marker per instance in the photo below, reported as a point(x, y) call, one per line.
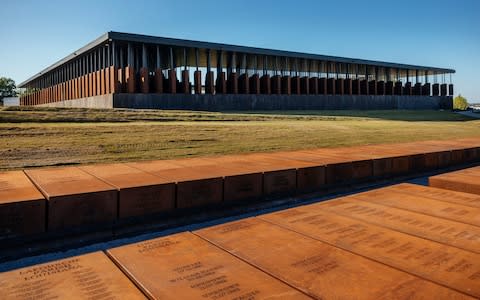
point(138, 71)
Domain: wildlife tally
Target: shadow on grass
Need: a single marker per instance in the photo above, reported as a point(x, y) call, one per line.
point(393, 115)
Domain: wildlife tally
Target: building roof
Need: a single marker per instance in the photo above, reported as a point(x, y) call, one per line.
point(138, 38)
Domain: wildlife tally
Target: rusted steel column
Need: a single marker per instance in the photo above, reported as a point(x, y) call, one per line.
point(244, 84)
point(355, 87)
point(158, 80)
point(389, 88)
point(372, 87)
point(408, 90)
point(364, 87)
point(232, 83)
point(172, 81)
point(450, 89)
point(398, 88)
point(254, 84)
point(144, 81)
point(286, 85)
point(347, 86)
point(417, 89)
point(296, 85)
point(276, 84)
point(265, 85)
point(322, 86)
point(443, 89)
point(331, 86)
point(221, 83)
point(435, 89)
point(426, 89)
point(381, 87)
point(339, 86)
point(313, 85)
point(197, 78)
point(304, 85)
point(186, 82)
point(209, 80)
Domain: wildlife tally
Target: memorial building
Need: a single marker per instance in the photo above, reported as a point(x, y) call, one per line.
point(139, 71)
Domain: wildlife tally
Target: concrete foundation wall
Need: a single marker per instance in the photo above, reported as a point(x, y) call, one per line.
point(278, 102)
point(103, 101)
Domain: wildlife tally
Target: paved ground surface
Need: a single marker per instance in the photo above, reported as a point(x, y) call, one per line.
point(29, 261)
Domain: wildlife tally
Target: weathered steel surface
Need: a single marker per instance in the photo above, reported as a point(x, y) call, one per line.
point(449, 266)
point(319, 269)
point(416, 203)
point(90, 276)
point(183, 266)
point(140, 193)
point(467, 180)
point(75, 197)
point(452, 233)
point(22, 206)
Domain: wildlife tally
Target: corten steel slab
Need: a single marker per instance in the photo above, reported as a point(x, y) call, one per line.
point(89, 276)
point(439, 194)
point(418, 203)
point(456, 182)
point(140, 193)
point(75, 197)
point(22, 206)
point(239, 182)
point(449, 266)
point(444, 231)
point(194, 187)
point(184, 266)
point(320, 270)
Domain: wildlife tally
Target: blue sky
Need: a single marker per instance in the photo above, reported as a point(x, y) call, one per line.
point(443, 33)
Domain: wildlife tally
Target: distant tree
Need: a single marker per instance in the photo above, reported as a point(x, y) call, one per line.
point(460, 103)
point(7, 87)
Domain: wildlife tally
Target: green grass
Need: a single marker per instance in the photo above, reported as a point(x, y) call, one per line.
point(45, 137)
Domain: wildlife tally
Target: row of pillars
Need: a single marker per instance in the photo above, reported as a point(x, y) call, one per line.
point(114, 80)
point(158, 82)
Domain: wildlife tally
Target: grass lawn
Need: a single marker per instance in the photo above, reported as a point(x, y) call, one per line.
point(50, 136)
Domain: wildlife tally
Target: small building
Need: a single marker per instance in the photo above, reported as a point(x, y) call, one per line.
point(139, 71)
point(11, 101)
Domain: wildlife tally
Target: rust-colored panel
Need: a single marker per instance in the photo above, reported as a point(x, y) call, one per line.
point(130, 79)
point(221, 83)
point(89, 276)
point(140, 193)
point(194, 187)
point(121, 81)
point(244, 84)
point(232, 83)
point(452, 233)
point(311, 178)
point(108, 83)
point(417, 203)
point(209, 83)
point(280, 182)
point(197, 82)
point(438, 194)
point(75, 197)
point(90, 85)
point(186, 82)
point(158, 81)
point(320, 270)
point(100, 82)
point(114, 83)
point(286, 85)
point(304, 85)
point(276, 85)
point(172, 81)
point(314, 86)
point(254, 84)
point(296, 85)
point(144, 81)
point(456, 182)
point(22, 206)
point(183, 266)
point(449, 266)
point(95, 84)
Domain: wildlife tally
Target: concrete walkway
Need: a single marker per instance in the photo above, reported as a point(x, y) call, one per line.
point(469, 114)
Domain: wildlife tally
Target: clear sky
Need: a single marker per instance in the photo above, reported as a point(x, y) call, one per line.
point(441, 33)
